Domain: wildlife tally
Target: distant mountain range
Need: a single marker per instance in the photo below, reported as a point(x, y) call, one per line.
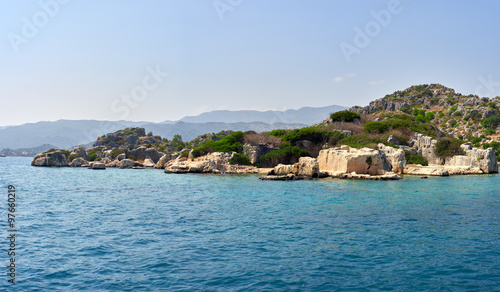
point(305, 115)
point(68, 133)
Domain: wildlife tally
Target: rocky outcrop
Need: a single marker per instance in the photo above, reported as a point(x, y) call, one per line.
point(126, 163)
point(392, 139)
point(164, 159)
point(145, 153)
point(254, 152)
point(210, 163)
point(80, 151)
point(286, 177)
point(307, 167)
point(283, 169)
point(121, 156)
point(426, 170)
point(56, 158)
point(353, 175)
point(79, 162)
point(425, 145)
point(475, 160)
point(396, 157)
point(148, 163)
point(347, 160)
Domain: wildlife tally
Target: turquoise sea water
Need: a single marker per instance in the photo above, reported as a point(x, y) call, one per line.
point(143, 230)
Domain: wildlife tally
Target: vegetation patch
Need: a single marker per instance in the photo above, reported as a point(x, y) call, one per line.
point(240, 159)
point(415, 158)
point(362, 140)
point(448, 147)
point(491, 122)
point(344, 116)
point(313, 134)
point(226, 144)
point(73, 156)
point(116, 151)
point(286, 155)
point(92, 155)
point(376, 127)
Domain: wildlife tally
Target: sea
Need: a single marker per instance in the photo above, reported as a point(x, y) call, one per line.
point(78, 229)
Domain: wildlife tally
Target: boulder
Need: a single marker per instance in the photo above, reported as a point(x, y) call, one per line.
point(347, 160)
point(396, 157)
point(98, 165)
point(154, 154)
point(286, 177)
point(114, 163)
point(80, 151)
point(392, 139)
point(121, 156)
point(282, 169)
point(56, 158)
point(307, 166)
point(126, 163)
point(144, 153)
point(210, 163)
point(148, 163)
point(79, 162)
point(164, 159)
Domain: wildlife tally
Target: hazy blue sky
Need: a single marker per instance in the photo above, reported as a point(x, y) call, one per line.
point(97, 59)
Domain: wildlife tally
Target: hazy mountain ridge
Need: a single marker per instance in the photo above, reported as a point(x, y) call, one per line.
point(68, 133)
point(304, 115)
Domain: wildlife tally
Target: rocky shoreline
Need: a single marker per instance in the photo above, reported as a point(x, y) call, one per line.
point(343, 162)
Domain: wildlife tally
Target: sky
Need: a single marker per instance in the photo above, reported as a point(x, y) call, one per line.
point(162, 60)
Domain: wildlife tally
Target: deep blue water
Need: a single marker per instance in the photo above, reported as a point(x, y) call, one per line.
point(143, 230)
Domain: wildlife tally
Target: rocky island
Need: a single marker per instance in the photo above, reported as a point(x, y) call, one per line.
point(423, 130)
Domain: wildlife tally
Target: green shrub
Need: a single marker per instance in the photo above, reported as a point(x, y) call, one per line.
point(92, 155)
point(415, 158)
point(73, 156)
point(287, 155)
point(344, 116)
point(409, 122)
point(116, 151)
point(453, 123)
point(420, 118)
point(495, 146)
point(362, 140)
point(150, 134)
point(278, 132)
point(132, 157)
point(226, 144)
point(376, 127)
point(448, 147)
point(429, 117)
point(240, 159)
point(179, 147)
point(185, 154)
point(313, 134)
point(492, 121)
point(476, 139)
point(405, 109)
point(489, 131)
point(440, 115)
